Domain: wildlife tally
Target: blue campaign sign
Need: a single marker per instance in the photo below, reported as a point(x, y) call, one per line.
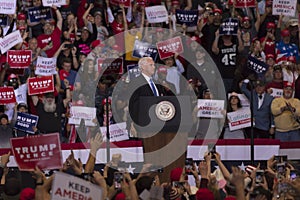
point(25, 122)
point(3, 20)
point(36, 14)
point(229, 26)
point(256, 65)
point(133, 71)
point(187, 17)
point(144, 49)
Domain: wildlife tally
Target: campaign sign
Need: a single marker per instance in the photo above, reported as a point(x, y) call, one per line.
point(25, 122)
point(156, 14)
point(244, 100)
point(276, 92)
point(10, 41)
point(15, 71)
point(126, 3)
point(144, 49)
point(40, 85)
point(3, 20)
point(242, 3)
point(117, 132)
point(110, 65)
point(133, 71)
point(36, 14)
point(7, 95)
point(8, 6)
point(187, 17)
point(19, 58)
point(239, 119)
point(284, 7)
point(77, 113)
point(70, 187)
point(58, 3)
point(168, 47)
point(210, 108)
point(45, 66)
point(42, 150)
point(256, 65)
point(229, 26)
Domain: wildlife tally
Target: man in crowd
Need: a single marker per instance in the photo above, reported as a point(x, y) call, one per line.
point(264, 124)
point(286, 111)
point(50, 40)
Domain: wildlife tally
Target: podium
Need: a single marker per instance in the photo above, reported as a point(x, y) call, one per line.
point(163, 126)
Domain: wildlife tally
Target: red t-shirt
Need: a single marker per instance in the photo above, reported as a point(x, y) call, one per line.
point(269, 46)
point(44, 40)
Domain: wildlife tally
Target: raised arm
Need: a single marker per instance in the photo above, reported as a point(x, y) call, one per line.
point(59, 17)
point(96, 143)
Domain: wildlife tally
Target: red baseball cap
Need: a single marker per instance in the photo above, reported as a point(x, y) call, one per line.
point(285, 33)
point(21, 16)
point(270, 56)
point(246, 18)
point(270, 25)
point(217, 10)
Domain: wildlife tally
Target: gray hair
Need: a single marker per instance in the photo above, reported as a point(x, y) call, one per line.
point(143, 61)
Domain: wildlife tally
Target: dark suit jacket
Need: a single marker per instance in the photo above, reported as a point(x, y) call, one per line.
point(262, 116)
point(139, 87)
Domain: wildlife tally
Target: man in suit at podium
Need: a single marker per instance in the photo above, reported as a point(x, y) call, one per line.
point(153, 140)
point(142, 85)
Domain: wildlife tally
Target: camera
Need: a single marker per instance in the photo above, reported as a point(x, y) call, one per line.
point(259, 177)
point(281, 170)
point(87, 176)
point(118, 178)
point(178, 184)
point(281, 158)
point(212, 150)
point(294, 174)
point(188, 165)
point(69, 46)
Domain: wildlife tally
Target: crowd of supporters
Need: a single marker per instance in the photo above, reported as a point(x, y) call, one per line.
point(81, 32)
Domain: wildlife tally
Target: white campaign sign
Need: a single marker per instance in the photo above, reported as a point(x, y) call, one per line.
point(69, 187)
point(156, 14)
point(8, 6)
point(10, 40)
point(54, 2)
point(118, 132)
point(210, 108)
point(81, 112)
point(276, 92)
point(45, 66)
point(284, 7)
point(239, 119)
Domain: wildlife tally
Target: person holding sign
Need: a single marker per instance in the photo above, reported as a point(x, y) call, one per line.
point(234, 104)
point(286, 111)
point(227, 49)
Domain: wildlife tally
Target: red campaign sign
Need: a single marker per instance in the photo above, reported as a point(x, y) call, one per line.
point(19, 58)
point(7, 95)
point(242, 3)
point(168, 47)
point(15, 71)
point(126, 3)
point(42, 150)
point(40, 85)
point(111, 65)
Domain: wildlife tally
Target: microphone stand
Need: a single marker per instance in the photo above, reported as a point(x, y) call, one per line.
point(107, 127)
point(251, 127)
